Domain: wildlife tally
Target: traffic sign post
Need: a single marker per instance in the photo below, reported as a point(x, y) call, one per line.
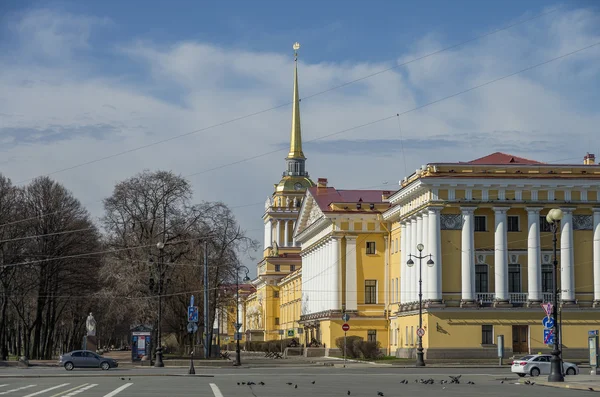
point(420, 332)
point(193, 314)
point(345, 317)
point(549, 336)
point(548, 308)
point(345, 328)
point(548, 322)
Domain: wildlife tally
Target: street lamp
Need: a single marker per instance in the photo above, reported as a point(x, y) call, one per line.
point(159, 359)
point(556, 367)
point(410, 263)
point(238, 359)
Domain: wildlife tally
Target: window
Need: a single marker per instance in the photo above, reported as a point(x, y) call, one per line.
point(412, 335)
point(481, 278)
point(514, 278)
point(292, 268)
point(487, 334)
point(397, 298)
point(544, 225)
point(275, 294)
point(276, 320)
point(370, 292)
point(513, 223)
point(547, 279)
point(277, 268)
point(480, 223)
point(406, 337)
point(396, 245)
point(77, 354)
point(371, 335)
point(370, 247)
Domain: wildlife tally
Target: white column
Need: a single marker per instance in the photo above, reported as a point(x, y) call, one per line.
point(426, 251)
point(501, 254)
point(534, 267)
point(269, 230)
point(566, 256)
point(323, 277)
point(434, 241)
point(351, 296)
point(337, 274)
point(596, 248)
point(409, 286)
point(403, 260)
point(468, 253)
point(278, 233)
point(286, 233)
point(414, 277)
point(293, 235)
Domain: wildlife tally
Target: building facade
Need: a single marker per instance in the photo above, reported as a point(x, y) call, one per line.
point(483, 223)
point(281, 254)
point(344, 243)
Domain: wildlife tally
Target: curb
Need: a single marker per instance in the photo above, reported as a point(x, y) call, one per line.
point(566, 385)
point(98, 376)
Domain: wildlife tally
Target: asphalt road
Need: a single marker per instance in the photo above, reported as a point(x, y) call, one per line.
point(55, 382)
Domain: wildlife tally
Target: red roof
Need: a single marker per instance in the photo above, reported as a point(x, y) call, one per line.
point(327, 195)
point(499, 158)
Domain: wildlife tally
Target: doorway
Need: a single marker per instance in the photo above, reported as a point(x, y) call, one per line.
point(520, 338)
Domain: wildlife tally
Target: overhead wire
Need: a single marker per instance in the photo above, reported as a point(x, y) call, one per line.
point(565, 55)
point(232, 120)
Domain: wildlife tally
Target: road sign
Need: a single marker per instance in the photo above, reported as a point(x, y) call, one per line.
point(548, 322)
point(345, 317)
point(420, 332)
point(290, 333)
point(345, 327)
point(237, 336)
point(549, 336)
point(280, 332)
point(192, 327)
point(192, 301)
point(193, 314)
point(548, 308)
point(237, 326)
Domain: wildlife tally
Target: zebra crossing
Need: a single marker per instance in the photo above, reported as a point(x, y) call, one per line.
point(65, 389)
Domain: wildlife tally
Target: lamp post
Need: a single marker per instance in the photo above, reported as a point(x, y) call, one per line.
point(556, 367)
point(410, 263)
point(159, 359)
point(237, 335)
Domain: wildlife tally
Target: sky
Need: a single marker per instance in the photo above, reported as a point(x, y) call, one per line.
point(93, 92)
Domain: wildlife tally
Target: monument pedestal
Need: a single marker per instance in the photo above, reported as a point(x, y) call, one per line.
point(91, 343)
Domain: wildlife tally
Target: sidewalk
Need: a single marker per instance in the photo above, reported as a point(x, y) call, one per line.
point(577, 382)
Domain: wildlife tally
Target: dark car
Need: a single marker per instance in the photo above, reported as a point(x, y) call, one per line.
point(86, 359)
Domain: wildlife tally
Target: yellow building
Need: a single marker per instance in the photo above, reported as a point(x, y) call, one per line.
point(290, 294)
point(281, 252)
point(344, 244)
point(484, 224)
point(226, 313)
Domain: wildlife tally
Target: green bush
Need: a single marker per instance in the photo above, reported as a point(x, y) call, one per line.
point(351, 345)
point(356, 347)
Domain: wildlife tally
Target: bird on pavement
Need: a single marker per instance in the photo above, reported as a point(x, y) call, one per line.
point(349, 391)
point(261, 383)
point(380, 393)
point(295, 386)
point(289, 383)
point(313, 382)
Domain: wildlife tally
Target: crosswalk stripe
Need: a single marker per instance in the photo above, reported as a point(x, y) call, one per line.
point(118, 390)
point(215, 390)
point(70, 390)
point(46, 390)
point(17, 389)
point(81, 390)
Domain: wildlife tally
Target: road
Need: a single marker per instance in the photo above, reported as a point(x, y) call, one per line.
point(55, 382)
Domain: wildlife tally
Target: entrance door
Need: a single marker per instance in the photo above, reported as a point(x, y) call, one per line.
point(520, 344)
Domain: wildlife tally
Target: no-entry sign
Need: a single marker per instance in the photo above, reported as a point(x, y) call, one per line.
point(345, 327)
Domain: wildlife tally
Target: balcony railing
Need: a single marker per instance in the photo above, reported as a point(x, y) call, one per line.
point(518, 297)
point(548, 297)
point(485, 297)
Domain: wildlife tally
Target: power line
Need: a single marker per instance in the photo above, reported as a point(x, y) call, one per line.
point(373, 121)
point(290, 102)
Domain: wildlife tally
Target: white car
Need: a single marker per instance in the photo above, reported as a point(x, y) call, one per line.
point(539, 364)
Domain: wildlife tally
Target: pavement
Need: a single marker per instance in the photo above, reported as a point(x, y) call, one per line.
point(303, 381)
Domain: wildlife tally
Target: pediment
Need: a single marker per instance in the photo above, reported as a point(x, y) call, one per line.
point(309, 213)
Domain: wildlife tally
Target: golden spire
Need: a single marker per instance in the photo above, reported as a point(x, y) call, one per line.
point(296, 135)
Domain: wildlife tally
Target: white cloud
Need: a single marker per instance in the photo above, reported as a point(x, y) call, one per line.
point(190, 85)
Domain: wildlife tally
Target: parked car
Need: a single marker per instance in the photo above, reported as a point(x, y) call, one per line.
point(86, 359)
point(539, 364)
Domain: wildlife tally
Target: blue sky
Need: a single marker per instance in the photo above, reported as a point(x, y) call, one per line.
point(85, 79)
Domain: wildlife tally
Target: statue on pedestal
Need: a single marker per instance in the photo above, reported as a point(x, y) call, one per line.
point(90, 325)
